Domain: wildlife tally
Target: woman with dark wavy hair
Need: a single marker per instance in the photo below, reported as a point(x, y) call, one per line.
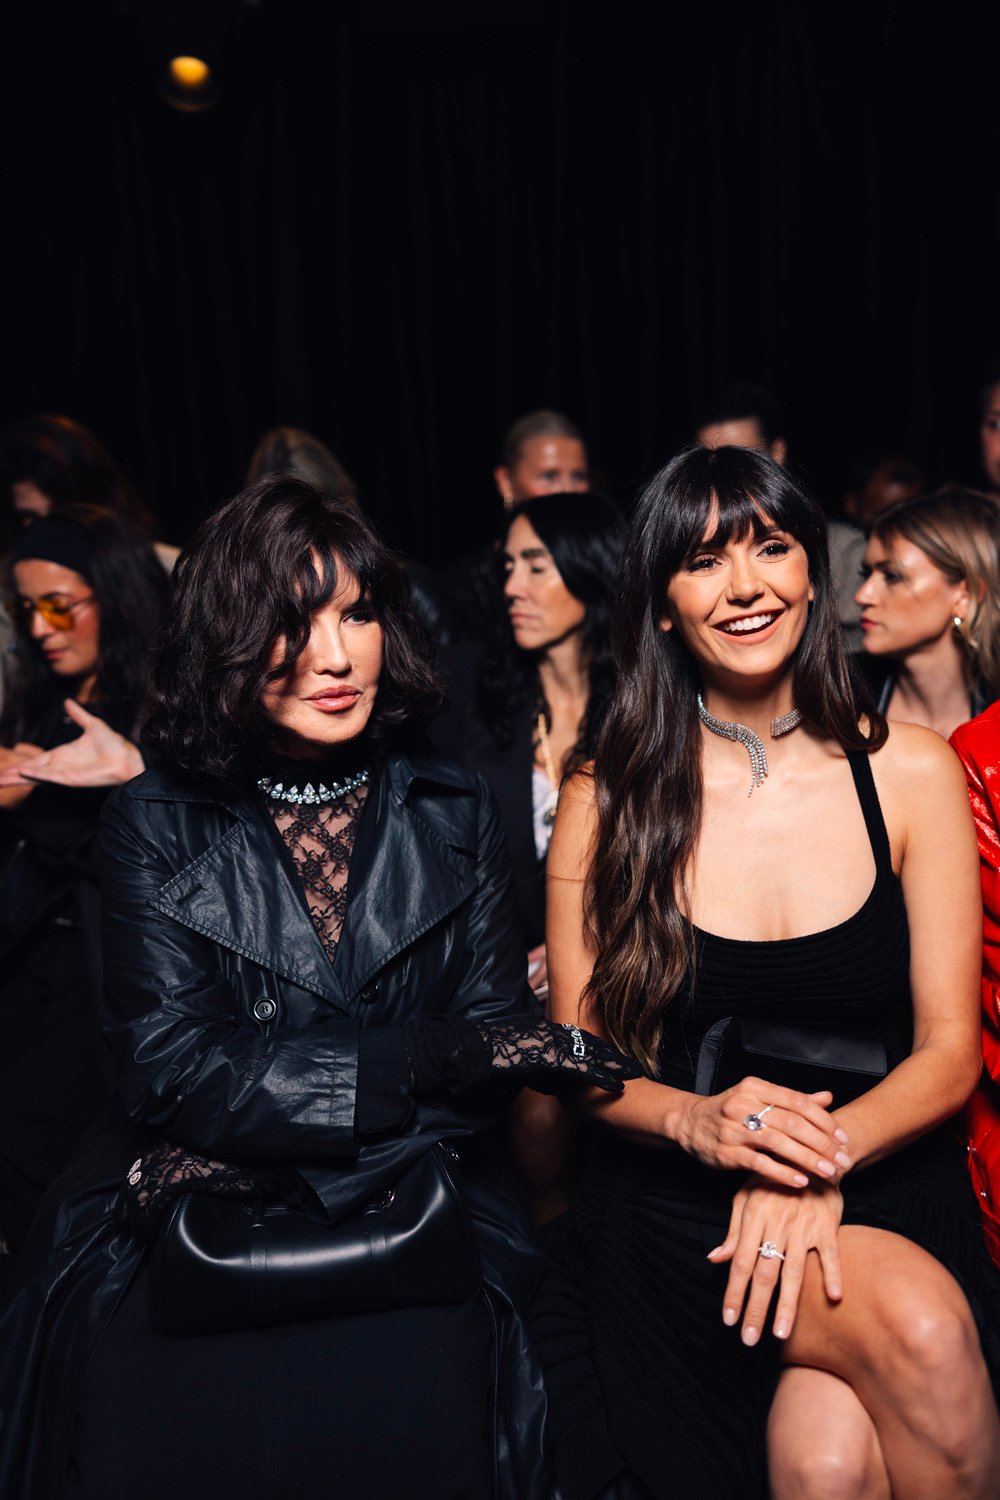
point(85, 591)
point(770, 898)
point(268, 1276)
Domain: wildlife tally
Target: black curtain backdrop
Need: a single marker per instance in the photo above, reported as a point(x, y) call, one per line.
point(402, 226)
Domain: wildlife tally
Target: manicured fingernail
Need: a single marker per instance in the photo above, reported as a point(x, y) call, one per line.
point(749, 1335)
point(799, 1181)
point(826, 1167)
point(842, 1136)
point(729, 1316)
point(713, 1252)
point(781, 1329)
point(843, 1160)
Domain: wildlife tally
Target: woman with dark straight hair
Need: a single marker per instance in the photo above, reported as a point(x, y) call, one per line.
point(535, 705)
point(770, 898)
point(269, 1276)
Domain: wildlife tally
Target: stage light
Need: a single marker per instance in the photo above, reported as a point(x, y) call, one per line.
point(189, 83)
point(189, 72)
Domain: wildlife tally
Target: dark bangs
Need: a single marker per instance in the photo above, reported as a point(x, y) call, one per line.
point(256, 573)
point(734, 493)
point(738, 493)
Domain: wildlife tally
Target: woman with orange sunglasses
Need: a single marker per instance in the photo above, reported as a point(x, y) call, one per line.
point(84, 592)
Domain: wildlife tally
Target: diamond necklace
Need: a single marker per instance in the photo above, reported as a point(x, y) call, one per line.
point(753, 743)
point(309, 795)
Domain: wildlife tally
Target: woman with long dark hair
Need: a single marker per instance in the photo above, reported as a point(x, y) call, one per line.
point(85, 590)
point(930, 608)
point(770, 898)
point(531, 709)
point(269, 1275)
point(543, 686)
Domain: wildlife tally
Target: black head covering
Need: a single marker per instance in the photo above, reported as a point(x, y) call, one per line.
point(57, 541)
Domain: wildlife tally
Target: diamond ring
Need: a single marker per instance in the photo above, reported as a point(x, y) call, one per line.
point(756, 1122)
point(770, 1251)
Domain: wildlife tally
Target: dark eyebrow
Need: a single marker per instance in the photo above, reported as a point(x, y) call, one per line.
point(527, 552)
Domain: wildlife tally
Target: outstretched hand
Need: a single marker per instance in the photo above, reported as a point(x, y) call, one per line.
point(98, 757)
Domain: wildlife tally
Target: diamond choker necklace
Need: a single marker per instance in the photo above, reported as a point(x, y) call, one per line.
point(753, 742)
point(309, 795)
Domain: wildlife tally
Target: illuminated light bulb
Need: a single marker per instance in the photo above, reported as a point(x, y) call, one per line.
point(189, 72)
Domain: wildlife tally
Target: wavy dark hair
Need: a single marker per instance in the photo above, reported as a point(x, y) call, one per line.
point(648, 773)
point(131, 587)
point(583, 533)
point(257, 571)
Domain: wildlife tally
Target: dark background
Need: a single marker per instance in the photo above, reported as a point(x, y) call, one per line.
point(402, 225)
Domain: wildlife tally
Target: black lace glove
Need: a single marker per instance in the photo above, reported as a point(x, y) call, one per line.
point(166, 1171)
point(453, 1055)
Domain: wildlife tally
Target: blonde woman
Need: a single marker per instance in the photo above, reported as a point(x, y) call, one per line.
point(930, 608)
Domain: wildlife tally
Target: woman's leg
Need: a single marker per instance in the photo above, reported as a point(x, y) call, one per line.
point(821, 1443)
point(904, 1339)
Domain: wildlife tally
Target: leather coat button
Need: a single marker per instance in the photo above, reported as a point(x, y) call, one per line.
point(369, 992)
point(265, 1010)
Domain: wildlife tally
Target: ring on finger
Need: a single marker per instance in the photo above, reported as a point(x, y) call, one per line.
point(770, 1251)
point(755, 1122)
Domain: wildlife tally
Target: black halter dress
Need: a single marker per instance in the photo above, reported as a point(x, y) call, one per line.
point(643, 1376)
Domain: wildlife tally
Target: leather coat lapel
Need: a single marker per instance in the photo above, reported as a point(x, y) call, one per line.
point(412, 879)
point(240, 893)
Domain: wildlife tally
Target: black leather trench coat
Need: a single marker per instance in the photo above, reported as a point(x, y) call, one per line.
point(235, 1035)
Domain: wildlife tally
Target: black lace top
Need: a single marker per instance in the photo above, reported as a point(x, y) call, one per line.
point(320, 840)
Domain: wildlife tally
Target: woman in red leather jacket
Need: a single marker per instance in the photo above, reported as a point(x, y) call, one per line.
point(978, 747)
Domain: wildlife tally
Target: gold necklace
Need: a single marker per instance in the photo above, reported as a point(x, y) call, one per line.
point(550, 767)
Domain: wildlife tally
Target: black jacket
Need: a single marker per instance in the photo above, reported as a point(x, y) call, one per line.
point(462, 732)
point(235, 1035)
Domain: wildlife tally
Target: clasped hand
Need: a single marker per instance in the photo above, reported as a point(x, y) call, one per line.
point(800, 1138)
point(790, 1224)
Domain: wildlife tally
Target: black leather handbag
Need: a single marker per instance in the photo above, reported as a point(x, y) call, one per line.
point(793, 1056)
point(220, 1265)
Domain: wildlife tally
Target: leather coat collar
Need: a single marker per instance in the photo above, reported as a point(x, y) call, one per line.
point(240, 892)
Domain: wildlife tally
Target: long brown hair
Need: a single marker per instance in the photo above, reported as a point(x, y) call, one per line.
point(647, 771)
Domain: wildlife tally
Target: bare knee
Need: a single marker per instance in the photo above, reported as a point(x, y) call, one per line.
point(823, 1472)
point(933, 1341)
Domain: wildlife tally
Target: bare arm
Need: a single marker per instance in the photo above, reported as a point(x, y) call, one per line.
point(925, 801)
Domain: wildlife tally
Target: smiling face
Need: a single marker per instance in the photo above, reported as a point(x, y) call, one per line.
point(541, 608)
point(741, 607)
point(328, 695)
point(907, 602)
point(71, 653)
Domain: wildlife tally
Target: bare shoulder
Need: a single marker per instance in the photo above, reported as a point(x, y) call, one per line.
point(923, 793)
point(913, 757)
point(575, 827)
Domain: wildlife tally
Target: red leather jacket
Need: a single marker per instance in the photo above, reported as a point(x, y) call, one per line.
point(978, 747)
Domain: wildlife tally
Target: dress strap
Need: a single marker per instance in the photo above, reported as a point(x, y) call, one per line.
point(864, 782)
